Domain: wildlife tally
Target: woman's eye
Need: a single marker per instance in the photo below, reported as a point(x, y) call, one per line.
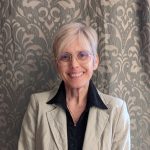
point(83, 54)
point(64, 57)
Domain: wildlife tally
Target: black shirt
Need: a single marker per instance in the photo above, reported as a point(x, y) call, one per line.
point(76, 132)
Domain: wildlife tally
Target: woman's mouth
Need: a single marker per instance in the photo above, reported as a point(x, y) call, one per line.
point(75, 75)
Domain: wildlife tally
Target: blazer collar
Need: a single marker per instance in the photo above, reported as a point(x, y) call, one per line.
point(97, 119)
point(58, 127)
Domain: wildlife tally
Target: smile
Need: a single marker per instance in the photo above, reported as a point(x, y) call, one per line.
point(75, 75)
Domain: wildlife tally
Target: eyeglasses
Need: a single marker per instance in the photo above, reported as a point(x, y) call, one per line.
point(82, 57)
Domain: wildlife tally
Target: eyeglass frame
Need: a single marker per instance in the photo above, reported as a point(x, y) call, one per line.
point(78, 59)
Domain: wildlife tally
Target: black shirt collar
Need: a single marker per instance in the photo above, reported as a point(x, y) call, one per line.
point(93, 98)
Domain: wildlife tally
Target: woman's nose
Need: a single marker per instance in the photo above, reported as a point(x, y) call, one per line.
point(74, 62)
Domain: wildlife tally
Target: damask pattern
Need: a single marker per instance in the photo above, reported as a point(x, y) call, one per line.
point(27, 28)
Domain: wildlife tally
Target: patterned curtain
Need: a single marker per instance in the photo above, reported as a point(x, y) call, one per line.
point(27, 28)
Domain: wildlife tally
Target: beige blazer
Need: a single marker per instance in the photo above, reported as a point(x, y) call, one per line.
point(44, 126)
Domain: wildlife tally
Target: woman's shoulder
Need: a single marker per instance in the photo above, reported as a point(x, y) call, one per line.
point(43, 97)
point(111, 101)
point(115, 105)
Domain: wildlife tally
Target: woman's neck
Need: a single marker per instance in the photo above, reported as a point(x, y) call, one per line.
point(76, 100)
point(76, 96)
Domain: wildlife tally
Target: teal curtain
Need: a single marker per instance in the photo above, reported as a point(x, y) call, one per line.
point(27, 28)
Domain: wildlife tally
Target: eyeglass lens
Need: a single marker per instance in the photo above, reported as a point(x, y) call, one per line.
point(81, 56)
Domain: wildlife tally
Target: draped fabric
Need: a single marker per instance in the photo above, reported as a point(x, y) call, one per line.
point(27, 29)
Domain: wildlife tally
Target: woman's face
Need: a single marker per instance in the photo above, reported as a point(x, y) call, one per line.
point(76, 64)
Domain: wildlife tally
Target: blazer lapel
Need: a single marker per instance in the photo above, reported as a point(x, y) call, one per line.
point(97, 121)
point(58, 127)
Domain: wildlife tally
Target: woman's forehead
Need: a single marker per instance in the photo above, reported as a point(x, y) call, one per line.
point(77, 44)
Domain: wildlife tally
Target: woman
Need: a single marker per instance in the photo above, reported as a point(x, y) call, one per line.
point(77, 116)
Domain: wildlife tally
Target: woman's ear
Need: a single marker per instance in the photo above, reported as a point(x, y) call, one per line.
point(96, 62)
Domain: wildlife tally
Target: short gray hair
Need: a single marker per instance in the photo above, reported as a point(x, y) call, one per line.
point(74, 30)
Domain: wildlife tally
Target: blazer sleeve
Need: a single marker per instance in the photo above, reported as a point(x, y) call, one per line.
point(121, 140)
point(28, 129)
